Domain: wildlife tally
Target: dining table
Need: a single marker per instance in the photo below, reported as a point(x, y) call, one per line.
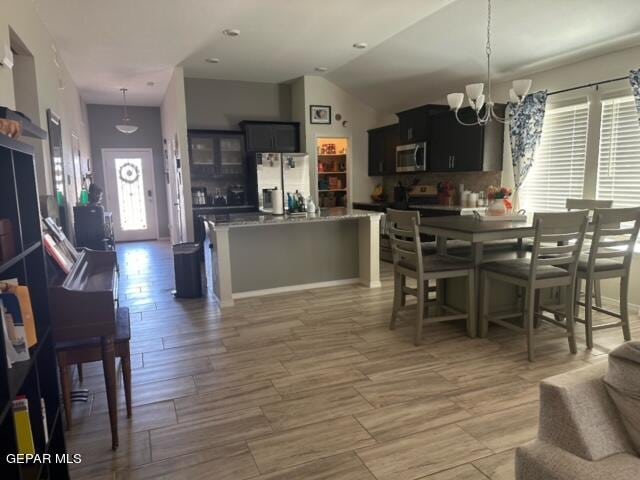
point(478, 233)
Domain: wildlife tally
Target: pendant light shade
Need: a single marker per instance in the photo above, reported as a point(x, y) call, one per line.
point(126, 126)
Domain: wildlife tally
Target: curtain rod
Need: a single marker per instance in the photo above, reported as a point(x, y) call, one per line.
point(586, 85)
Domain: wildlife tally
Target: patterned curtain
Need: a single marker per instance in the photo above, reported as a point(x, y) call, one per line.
point(525, 130)
point(634, 78)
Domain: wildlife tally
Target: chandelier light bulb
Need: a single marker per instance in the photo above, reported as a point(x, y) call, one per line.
point(455, 100)
point(474, 90)
point(521, 87)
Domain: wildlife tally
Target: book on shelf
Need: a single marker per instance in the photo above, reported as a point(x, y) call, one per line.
point(26, 310)
point(15, 339)
point(43, 409)
point(24, 435)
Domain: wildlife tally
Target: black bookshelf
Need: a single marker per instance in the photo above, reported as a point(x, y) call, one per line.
point(35, 378)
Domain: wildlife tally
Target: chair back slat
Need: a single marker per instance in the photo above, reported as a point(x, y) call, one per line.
point(587, 204)
point(566, 230)
point(615, 234)
point(405, 237)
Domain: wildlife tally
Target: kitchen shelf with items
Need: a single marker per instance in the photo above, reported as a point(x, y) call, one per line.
point(30, 413)
point(332, 155)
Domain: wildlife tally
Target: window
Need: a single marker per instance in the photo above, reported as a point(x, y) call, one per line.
point(558, 169)
point(619, 158)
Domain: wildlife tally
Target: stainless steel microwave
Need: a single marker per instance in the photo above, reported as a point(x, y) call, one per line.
point(411, 157)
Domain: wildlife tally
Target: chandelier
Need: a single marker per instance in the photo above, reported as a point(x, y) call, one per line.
point(126, 126)
point(477, 99)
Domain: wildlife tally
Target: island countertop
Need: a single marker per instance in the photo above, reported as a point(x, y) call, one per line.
point(259, 218)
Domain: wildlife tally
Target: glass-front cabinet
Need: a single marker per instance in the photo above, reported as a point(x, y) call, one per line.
point(218, 168)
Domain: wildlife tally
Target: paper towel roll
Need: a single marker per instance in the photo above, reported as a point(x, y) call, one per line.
point(277, 202)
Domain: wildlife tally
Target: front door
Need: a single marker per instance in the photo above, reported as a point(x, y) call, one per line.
point(129, 189)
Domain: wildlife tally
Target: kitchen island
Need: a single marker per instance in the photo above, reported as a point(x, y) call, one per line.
point(258, 254)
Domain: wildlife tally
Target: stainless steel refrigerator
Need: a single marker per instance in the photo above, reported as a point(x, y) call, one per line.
point(279, 174)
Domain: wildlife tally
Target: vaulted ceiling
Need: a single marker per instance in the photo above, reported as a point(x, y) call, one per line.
point(416, 48)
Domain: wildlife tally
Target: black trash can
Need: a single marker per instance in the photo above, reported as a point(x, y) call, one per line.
point(186, 265)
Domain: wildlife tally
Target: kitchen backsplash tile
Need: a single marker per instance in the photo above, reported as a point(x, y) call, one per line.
point(474, 181)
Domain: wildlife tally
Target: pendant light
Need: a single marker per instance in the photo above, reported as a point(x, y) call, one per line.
point(126, 126)
point(476, 97)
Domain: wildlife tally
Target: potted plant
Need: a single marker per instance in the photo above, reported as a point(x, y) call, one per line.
point(499, 203)
point(445, 193)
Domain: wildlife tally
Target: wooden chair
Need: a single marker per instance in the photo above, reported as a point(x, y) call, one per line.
point(614, 237)
point(77, 352)
point(409, 261)
point(591, 205)
point(553, 263)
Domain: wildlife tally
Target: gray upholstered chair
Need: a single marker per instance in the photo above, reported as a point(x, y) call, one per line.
point(581, 434)
point(614, 236)
point(553, 263)
point(591, 205)
point(409, 262)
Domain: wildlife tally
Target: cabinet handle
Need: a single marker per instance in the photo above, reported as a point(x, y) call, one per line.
point(380, 167)
point(410, 133)
point(453, 161)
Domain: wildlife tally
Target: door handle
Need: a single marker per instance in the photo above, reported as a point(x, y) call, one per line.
point(150, 193)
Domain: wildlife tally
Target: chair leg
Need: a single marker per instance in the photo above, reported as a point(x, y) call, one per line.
point(536, 308)
point(126, 378)
point(397, 300)
point(624, 307)
point(109, 368)
point(528, 322)
point(588, 312)
point(440, 294)
point(483, 316)
point(65, 380)
point(597, 292)
point(472, 318)
point(570, 318)
point(419, 310)
point(80, 376)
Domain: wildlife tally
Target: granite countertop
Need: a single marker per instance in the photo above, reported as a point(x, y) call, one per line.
point(258, 218)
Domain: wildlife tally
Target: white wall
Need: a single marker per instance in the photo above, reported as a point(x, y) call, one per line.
point(173, 115)
point(21, 17)
point(222, 104)
point(360, 117)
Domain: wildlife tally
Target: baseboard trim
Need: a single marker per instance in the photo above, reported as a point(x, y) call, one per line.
point(295, 288)
point(615, 301)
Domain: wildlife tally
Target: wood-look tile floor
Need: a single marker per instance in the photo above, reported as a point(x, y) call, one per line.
point(310, 385)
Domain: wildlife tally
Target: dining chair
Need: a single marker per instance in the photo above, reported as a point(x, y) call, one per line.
point(409, 261)
point(591, 205)
point(613, 241)
point(553, 263)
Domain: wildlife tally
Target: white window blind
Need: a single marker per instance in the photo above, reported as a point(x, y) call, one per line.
point(619, 159)
point(558, 169)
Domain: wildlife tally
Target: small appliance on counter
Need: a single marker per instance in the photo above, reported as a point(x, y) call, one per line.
point(235, 195)
point(199, 196)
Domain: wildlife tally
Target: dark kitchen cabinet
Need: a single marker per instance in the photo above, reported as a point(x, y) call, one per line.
point(457, 148)
point(413, 124)
point(271, 136)
point(382, 150)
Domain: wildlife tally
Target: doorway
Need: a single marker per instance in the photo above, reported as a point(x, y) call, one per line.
point(129, 190)
point(333, 171)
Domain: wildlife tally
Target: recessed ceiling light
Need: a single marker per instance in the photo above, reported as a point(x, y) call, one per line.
point(321, 69)
point(212, 60)
point(150, 84)
point(360, 45)
point(231, 32)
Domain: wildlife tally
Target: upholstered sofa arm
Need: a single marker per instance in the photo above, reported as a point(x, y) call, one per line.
point(542, 461)
point(578, 416)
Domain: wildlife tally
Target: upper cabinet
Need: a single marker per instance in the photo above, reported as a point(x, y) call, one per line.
point(271, 136)
point(457, 148)
point(413, 124)
point(382, 150)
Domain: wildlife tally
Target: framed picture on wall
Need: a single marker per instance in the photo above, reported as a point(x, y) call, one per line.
point(320, 114)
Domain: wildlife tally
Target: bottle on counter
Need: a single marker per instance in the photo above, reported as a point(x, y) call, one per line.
point(311, 206)
point(289, 202)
